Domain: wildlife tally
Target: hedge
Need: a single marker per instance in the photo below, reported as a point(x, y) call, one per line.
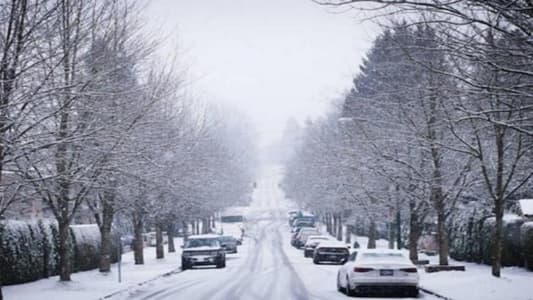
point(472, 239)
point(526, 238)
point(30, 250)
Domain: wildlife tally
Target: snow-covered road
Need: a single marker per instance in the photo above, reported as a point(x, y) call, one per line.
point(266, 267)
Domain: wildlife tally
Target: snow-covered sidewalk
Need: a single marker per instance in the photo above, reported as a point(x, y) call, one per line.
point(93, 285)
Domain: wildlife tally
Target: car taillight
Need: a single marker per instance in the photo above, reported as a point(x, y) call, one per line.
point(362, 270)
point(409, 270)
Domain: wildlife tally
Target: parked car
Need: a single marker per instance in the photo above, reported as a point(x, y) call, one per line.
point(304, 218)
point(312, 242)
point(331, 251)
point(228, 243)
point(303, 234)
point(376, 270)
point(292, 214)
point(203, 250)
point(297, 224)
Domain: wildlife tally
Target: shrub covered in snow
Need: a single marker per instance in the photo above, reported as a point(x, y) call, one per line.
point(526, 238)
point(472, 239)
point(30, 250)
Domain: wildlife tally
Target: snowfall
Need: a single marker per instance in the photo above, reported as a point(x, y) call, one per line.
point(266, 267)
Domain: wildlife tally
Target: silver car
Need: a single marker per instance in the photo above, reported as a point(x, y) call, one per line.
point(378, 270)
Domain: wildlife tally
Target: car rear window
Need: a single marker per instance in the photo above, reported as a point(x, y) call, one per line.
point(193, 243)
point(383, 256)
point(335, 250)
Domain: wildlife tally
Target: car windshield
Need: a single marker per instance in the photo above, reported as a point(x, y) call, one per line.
point(193, 243)
point(226, 239)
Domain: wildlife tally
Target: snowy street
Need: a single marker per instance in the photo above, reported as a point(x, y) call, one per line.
point(266, 267)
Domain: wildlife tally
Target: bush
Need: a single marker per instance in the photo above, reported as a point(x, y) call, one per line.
point(472, 239)
point(30, 250)
point(526, 238)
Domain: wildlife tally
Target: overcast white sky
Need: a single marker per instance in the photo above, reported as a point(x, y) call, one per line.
point(271, 59)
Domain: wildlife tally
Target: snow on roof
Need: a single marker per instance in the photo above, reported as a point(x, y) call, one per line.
point(381, 250)
point(332, 244)
point(526, 206)
point(318, 237)
point(204, 236)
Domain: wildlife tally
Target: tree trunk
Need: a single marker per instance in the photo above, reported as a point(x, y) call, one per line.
point(105, 237)
point(64, 251)
point(414, 232)
point(334, 227)
point(205, 225)
point(197, 224)
point(139, 243)
point(498, 240)
point(339, 227)
point(348, 238)
point(170, 233)
point(442, 237)
point(391, 235)
point(328, 223)
point(498, 203)
point(159, 251)
point(372, 235)
point(185, 226)
point(399, 244)
point(1, 255)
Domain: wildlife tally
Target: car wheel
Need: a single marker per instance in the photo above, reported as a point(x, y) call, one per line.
point(316, 261)
point(413, 293)
point(221, 264)
point(349, 291)
point(184, 266)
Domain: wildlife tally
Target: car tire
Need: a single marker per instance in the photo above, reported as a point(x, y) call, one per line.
point(316, 261)
point(184, 266)
point(221, 265)
point(349, 291)
point(413, 293)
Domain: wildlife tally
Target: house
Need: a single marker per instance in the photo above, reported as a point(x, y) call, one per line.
point(526, 208)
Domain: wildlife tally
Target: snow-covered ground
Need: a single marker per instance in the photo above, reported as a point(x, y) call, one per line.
point(266, 267)
point(93, 285)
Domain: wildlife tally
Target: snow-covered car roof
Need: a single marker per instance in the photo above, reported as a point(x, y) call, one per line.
point(318, 237)
point(205, 236)
point(332, 244)
point(383, 255)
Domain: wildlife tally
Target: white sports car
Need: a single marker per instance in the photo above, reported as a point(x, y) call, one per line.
point(378, 270)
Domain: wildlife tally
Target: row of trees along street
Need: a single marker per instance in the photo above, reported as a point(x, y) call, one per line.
point(90, 120)
point(438, 120)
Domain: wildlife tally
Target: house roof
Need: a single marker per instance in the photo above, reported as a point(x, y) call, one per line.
point(526, 206)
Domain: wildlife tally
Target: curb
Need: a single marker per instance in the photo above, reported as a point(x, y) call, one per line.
point(433, 293)
point(173, 272)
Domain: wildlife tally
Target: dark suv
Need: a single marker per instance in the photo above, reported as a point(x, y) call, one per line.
point(203, 250)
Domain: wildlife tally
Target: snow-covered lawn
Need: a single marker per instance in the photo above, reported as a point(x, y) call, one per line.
point(478, 283)
point(93, 285)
